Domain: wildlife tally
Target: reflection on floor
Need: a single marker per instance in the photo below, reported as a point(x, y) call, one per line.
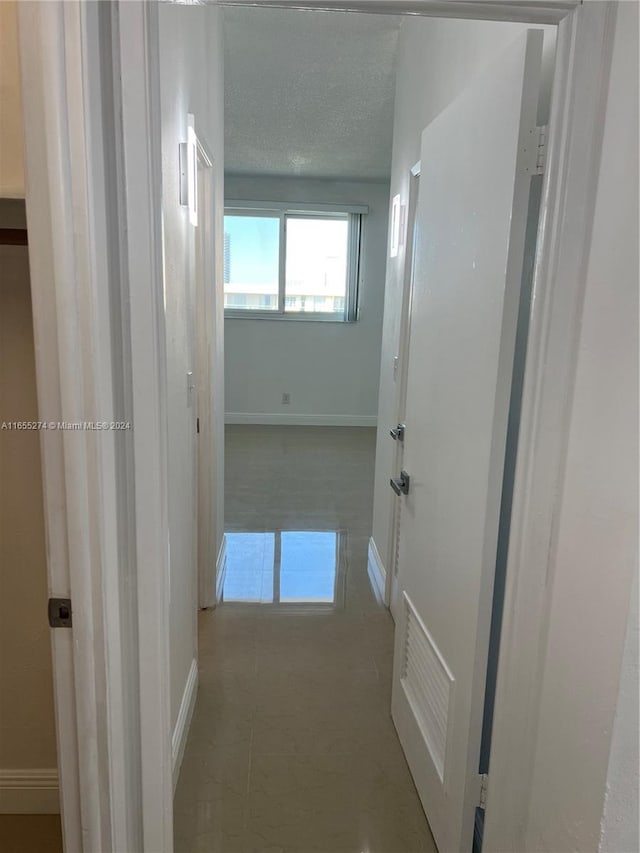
point(292, 748)
point(285, 567)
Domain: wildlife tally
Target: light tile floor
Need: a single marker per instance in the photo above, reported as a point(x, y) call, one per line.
point(292, 748)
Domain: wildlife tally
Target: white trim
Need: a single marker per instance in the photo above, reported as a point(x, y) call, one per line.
point(36, 43)
point(192, 170)
point(233, 205)
point(208, 304)
point(278, 419)
point(221, 568)
point(289, 317)
point(32, 791)
point(394, 226)
point(537, 12)
point(578, 109)
point(376, 571)
point(183, 722)
point(137, 44)
point(81, 370)
point(392, 595)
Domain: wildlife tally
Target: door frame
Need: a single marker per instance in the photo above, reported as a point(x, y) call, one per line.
point(392, 591)
point(100, 353)
point(205, 274)
point(90, 86)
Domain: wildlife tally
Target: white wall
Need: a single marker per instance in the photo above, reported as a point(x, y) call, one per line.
point(436, 59)
point(596, 551)
point(191, 82)
point(331, 370)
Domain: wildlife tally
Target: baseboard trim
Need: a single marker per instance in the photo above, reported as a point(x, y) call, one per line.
point(377, 572)
point(33, 791)
point(278, 419)
point(181, 731)
point(221, 569)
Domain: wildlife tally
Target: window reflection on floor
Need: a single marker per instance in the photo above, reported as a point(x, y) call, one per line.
point(286, 567)
point(250, 567)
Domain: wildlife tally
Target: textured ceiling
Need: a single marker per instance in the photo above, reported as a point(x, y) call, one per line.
point(309, 93)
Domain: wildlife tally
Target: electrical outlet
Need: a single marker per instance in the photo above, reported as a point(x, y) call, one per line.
point(286, 399)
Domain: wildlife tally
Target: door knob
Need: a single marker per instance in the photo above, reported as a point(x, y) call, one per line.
point(401, 486)
point(397, 434)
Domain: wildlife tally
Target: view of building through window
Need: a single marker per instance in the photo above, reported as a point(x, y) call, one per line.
point(251, 262)
point(316, 264)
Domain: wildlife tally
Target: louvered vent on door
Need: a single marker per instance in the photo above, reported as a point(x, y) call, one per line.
point(428, 685)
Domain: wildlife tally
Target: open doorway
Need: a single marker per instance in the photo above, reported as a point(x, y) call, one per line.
point(296, 661)
point(108, 291)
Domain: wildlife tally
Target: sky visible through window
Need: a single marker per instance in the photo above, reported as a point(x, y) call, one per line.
point(316, 264)
point(253, 249)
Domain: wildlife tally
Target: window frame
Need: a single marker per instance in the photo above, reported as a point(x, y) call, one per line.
point(282, 212)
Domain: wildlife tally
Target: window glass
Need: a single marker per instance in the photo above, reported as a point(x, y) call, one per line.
point(291, 263)
point(251, 262)
point(316, 265)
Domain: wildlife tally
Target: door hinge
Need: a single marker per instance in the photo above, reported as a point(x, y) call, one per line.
point(60, 612)
point(198, 426)
point(536, 150)
point(397, 433)
point(482, 796)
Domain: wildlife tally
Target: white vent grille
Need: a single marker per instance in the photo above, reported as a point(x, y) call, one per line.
point(428, 684)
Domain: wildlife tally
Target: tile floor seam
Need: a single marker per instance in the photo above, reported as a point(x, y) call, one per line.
point(245, 820)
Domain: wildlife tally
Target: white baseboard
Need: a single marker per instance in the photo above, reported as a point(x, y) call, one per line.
point(377, 572)
point(33, 791)
point(221, 569)
point(300, 420)
point(181, 731)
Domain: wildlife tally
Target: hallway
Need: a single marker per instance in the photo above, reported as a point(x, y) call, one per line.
point(292, 748)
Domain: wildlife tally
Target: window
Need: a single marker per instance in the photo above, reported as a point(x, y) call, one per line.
point(291, 263)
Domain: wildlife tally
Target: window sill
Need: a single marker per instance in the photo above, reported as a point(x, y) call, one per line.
point(288, 318)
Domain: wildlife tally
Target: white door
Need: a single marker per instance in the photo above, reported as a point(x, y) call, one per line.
point(477, 157)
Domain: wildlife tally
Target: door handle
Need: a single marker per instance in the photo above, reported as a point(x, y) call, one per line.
point(397, 434)
point(401, 486)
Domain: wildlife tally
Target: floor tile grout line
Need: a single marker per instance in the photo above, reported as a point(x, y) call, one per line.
point(245, 820)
